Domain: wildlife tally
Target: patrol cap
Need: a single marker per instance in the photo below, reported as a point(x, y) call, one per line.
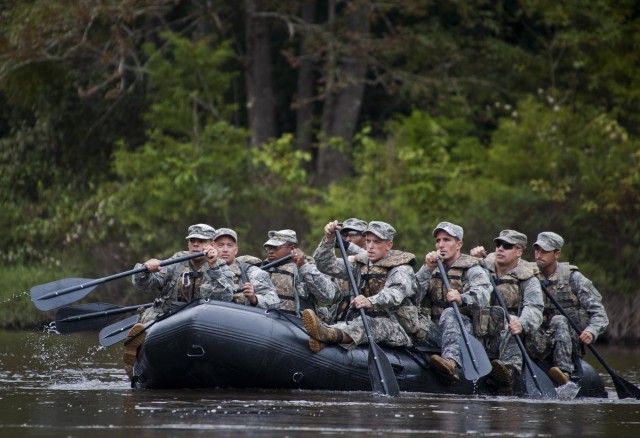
point(449, 228)
point(201, 231)
point(226, 232)
point(354, 224)
point(277, 238)
point(381, 229)
point(512, 236)
point(549, 241)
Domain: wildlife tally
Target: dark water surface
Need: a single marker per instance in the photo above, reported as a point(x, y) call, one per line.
point(66, 386)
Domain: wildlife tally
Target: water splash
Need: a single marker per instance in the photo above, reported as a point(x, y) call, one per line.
point(568, 391)
point(15, 296)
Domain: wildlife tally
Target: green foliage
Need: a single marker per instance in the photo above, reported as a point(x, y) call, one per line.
point(411, 180)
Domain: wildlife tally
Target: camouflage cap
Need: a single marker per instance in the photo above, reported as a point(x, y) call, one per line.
point(226, 232)
point(381, 229)
point(201, 231)
point(512, 236)
point(277, 238)
point(549, 241)
point(354, 224)
point(449, 228)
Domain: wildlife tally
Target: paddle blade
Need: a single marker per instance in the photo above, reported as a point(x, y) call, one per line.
point(624, 388)
point(473, 370)
point(45, 296)
point(537, 383)
point(383, 380)
point(117, 332)
point(74, 319)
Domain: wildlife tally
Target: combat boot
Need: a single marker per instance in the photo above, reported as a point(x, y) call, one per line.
point(319, 334)
point(134, 339)
point(558, 376)
point(502, 375)
point(445, 367)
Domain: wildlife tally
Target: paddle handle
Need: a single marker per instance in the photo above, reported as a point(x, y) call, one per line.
point(456, 311)
point(102, 313)
point(276, 263)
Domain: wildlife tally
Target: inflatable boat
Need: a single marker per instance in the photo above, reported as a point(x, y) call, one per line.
point(224, 345)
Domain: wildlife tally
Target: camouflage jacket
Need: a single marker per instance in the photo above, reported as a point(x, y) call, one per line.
point(399, 286)
point(181, 282)
point(244, 269)
point(578, 297)
point(472, 282)
point(528, 286)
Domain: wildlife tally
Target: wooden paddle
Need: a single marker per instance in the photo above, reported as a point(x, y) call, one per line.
point(475, 362)
point(90, 316)
point(624, 388)
point(62, 292)
point(537, 383)
point(383, 380)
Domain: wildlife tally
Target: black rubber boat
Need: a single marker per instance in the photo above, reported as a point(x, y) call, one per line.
point(218, 344)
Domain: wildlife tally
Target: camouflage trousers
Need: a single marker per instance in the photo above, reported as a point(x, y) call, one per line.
point(556, 339)
point(447, 334)
point(504, 347)
point(385, 331)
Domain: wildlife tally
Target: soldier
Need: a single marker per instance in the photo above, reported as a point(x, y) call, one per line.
point(580, 300)
point(520, 289)
point(386, 283)
point(298, 283)
point(180, 283)
point(470, 289)
point(254, 285)
point(352, 233)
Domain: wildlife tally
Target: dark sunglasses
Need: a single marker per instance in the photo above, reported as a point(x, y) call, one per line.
point(349, 233)
point(504, 245)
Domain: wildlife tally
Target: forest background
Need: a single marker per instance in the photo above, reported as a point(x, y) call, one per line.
point(124, 122)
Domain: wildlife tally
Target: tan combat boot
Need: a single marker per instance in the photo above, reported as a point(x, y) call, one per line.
point(445, 367)
point(502, 374)
point(134, 339)
point(319, 334)
point(558, 376)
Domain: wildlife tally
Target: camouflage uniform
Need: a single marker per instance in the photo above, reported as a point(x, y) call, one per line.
point(299, 288)
point(334, 311)
point(439, 326)
point(246, 269)
point(521, 291)
point(389, 284)
point(581, 301)
point(181, 282)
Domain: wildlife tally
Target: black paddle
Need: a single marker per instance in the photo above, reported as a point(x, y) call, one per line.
point(536, 381)
point(276, 263)
point(475, 362)
point(61, 292)
point(90, 316)
point(624, 388)
point(383, 380)
point(118, 331)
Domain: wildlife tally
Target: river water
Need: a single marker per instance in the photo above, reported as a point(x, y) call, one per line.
point(67, 386)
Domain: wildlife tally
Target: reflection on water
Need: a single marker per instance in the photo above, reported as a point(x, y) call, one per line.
point(67, 386)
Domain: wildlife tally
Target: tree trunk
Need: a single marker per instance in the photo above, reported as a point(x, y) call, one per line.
point(260, 98)
point(305, 92)
point(344, 93)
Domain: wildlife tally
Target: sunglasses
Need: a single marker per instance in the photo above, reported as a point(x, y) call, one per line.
point(504, 245)
point(349, 233)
